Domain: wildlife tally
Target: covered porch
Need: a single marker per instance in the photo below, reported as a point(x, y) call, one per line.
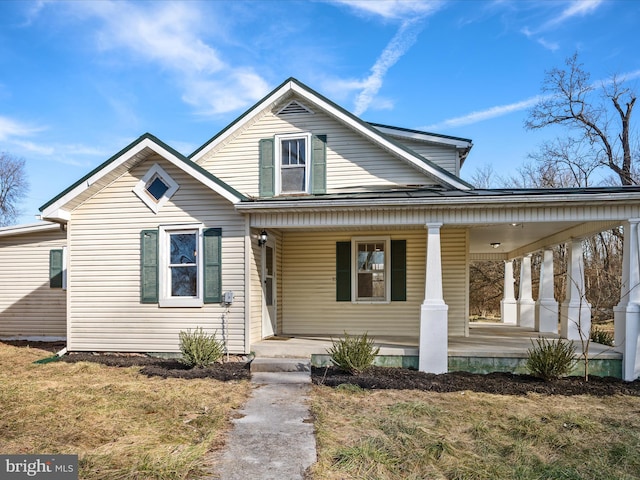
point(443, 232)
point(490, 347)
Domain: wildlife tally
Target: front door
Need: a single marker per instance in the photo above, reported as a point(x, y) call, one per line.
point(269, 315)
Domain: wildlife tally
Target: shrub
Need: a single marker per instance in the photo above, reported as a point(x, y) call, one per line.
point(549, 359)
point(199, 349)
point(353, 354)
point(601, 336)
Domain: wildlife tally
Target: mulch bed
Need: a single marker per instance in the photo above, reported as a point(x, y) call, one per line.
point(164, 367)
point(375, 378)
point(496, 383)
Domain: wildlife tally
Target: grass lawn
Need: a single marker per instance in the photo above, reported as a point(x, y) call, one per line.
point(409, 434)
point(121, 424)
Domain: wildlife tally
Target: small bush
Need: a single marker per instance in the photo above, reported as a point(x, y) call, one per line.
point(601, 336)
point(549, 359)
point(353, 354)
point(199, 349)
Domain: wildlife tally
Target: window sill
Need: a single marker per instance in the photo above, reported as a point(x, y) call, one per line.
point(180, 302)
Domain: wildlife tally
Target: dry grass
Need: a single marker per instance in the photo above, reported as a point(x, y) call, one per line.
point(121, 424)
point(396, 434)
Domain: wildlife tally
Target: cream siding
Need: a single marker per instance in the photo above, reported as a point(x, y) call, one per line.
point(28, 306)
point(352, 160)
point(105, 312)
point(445, 156)
point(310, 306)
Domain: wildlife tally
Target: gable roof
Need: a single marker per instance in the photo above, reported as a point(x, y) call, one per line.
point(59, 208)
point(292, 87)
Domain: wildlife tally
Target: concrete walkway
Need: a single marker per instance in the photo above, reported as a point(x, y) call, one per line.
point(274, 438)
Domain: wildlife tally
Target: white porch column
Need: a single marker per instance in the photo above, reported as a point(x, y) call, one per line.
point(509, 304)
point(526, 305)
point(575, 312)
point(627, 312)
point(546, 306)
point(433, 312)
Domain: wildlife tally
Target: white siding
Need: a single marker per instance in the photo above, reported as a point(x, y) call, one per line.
point(309, 303)
point(442, 155)
point(105, 312)
point(352, 161)
point(28, 307)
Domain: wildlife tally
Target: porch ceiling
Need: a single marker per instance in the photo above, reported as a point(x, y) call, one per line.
point(516, 239)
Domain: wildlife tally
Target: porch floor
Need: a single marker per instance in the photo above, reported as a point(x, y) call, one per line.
point(493, 340)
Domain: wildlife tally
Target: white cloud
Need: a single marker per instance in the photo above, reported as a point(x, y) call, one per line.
point(10, 128)
point(397, 47)
point(169, 35)
point(489, 113)
point(577, 8)
point(394, 9)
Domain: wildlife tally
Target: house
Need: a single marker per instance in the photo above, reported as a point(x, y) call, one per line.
point(301, 219)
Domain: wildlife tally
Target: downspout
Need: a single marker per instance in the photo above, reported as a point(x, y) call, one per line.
point(52, 358)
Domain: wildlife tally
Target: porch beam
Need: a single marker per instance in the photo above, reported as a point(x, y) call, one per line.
point(433, 355)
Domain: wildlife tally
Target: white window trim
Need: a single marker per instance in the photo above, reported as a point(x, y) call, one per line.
point(278, 161)
point(164, 277)
point(387, 268)
point(141, 188)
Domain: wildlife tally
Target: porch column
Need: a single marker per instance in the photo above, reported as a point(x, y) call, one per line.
point(627, 312)
point(433, 312)
point(546, 306)
point(509, 304)
point(526, 305)
point(575, 312)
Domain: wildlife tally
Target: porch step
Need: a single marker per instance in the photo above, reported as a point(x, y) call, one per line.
point(262, 364)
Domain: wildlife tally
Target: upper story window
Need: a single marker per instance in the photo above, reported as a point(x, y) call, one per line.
point(293, 153)
point(155, 188)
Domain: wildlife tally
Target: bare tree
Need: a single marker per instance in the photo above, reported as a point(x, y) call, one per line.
point(600, 116)
point(13, 187)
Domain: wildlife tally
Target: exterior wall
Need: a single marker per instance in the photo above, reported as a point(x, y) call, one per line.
point(105, 312)
point(28, 307)
point(442, 155)
point(309, 304)
point(352, 161)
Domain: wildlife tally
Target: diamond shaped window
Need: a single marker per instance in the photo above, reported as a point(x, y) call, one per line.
point(156, 188)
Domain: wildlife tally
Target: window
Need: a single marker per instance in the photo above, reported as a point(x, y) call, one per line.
point(181, 266)
point(155, 188)
point(368, 266)
point(371, 278)
point(180, 273)
point(293, 157)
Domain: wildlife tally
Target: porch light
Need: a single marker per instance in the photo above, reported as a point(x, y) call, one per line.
point(262, 238)
point(495, 244)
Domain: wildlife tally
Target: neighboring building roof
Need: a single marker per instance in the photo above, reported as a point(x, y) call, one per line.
point(28, 228)
point(58, 207)
point(375, 134)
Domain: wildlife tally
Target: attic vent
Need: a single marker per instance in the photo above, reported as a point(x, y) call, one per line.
point(294, 107)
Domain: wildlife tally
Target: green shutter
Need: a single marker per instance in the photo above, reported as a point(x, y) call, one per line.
point(267, 168)
point(149, 266)
point(343, 271)
point(212, 265)
point(319, 164)
point(56, 268)
point(399, 270)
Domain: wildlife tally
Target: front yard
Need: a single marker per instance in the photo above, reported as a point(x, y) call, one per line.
point(412, 434)
point(121, 424)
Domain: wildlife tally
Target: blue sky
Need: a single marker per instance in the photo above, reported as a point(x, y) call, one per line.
point(80, 80)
